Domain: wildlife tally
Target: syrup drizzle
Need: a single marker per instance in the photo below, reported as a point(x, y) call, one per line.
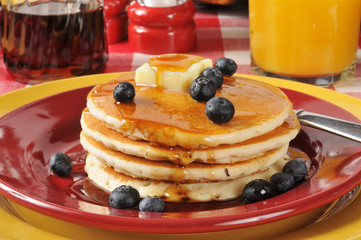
point(171, 62)
point(177, 110)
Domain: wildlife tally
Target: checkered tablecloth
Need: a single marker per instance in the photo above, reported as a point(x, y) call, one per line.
point(221, 31)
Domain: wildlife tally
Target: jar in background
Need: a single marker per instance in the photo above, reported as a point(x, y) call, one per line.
point(47, 40)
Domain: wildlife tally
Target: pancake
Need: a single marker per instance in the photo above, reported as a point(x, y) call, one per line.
point(108, 179)
point(167, 171)
point(99, 131)
point(163, 144)
point(169, 118)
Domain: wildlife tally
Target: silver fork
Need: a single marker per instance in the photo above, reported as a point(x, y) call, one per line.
point(336, 126)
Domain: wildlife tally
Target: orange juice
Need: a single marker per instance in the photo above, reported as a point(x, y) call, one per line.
point(304, 38)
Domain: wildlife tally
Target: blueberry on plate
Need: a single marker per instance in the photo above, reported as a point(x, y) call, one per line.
point(257, 190)
point(297, 169)
point(282, 182)
point(219, 110)
point(124, 197)
point(60, 164)
point(214, 75)
point(202, 89)
point(226, 65)
point(151, 204)
point(124, 92)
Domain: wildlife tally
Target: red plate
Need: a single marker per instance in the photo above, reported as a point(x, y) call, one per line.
point(31, 134)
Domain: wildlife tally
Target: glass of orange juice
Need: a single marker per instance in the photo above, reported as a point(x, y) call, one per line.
point(312, 41)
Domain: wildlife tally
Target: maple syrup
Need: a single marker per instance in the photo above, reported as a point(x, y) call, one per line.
point(176, 109)
point(43, 41)
point(181, 155)
point(172, 63)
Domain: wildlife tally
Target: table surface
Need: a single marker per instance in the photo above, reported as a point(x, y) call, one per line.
point(222, 31)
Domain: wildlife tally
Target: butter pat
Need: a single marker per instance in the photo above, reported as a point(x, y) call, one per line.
point(171, 71)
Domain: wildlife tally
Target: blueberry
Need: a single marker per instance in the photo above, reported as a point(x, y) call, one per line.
point(202, 89)
point(297, 169)
point(151, 204)
point(226, 65)
point(214, 75)
point(282, 182)
point(60, 164)
point(219, 110)
point(257, 190)
point(124, 197)
point(124, 92)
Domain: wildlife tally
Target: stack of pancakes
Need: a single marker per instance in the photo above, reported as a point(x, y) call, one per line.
point(163, 144)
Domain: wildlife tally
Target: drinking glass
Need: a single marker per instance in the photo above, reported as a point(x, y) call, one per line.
point(311, 41)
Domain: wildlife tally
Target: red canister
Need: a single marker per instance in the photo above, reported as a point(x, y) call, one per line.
point(116, 20)
point(158, 30)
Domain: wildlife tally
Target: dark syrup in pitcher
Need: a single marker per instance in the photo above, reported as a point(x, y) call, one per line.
point(54, 40)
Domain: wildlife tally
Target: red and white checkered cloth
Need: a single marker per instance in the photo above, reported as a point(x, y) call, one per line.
point(221, 31)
